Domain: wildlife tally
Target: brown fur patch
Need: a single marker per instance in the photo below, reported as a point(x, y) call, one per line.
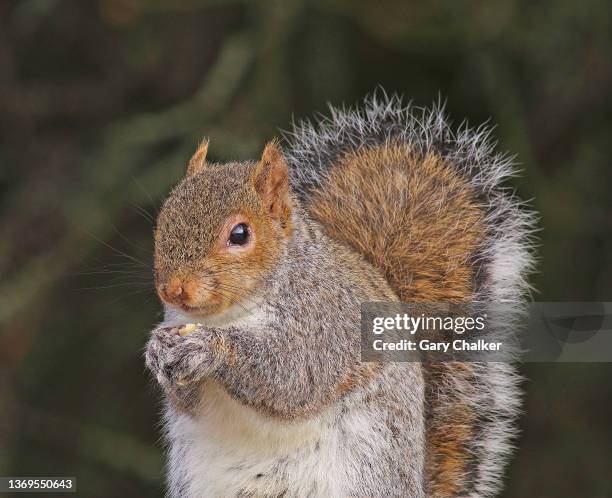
point(450, 430)
point(419, 221)
point(415, 218)
point(359, 375)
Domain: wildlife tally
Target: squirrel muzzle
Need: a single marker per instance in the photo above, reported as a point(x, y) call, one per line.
point(185, 294)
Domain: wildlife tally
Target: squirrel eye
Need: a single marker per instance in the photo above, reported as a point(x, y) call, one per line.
point(239, 235)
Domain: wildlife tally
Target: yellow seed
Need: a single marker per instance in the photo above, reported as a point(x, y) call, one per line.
point(187, 329)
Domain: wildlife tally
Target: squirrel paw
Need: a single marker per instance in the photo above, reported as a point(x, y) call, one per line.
point(179, 363)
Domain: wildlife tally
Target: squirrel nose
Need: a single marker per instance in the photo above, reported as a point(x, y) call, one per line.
point(174, 291)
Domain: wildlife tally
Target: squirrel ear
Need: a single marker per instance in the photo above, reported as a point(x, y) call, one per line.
point(271, 180)
point(198, 161)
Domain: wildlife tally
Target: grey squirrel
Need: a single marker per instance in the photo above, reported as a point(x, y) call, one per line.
point(266, 395)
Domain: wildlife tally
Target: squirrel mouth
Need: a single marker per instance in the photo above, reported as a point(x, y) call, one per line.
point(198, 310)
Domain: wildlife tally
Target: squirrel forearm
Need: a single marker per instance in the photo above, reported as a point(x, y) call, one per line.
point(271, 370)
point(281, 373)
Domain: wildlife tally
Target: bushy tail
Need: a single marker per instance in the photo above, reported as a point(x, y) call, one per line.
point(425, 205)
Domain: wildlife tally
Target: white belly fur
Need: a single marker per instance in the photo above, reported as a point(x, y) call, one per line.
point(229, 448)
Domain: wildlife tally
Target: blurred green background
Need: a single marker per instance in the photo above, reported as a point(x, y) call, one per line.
point(102, 103)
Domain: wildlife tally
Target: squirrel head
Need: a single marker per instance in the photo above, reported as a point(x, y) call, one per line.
point(221, 231)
